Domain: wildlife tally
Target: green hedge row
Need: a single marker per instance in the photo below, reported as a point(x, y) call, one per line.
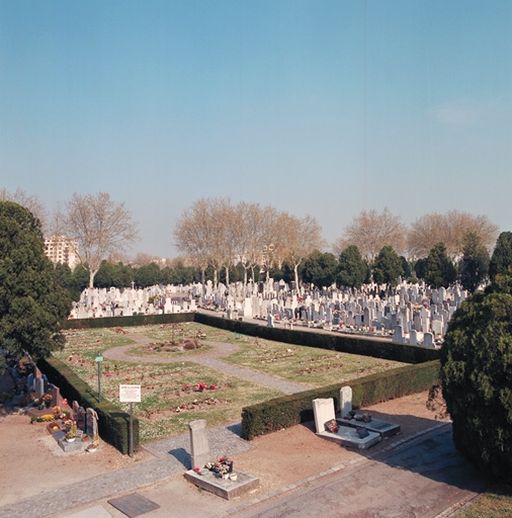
point(113, 423)
point(135, 320)
point(341, 343)
point(286, 411)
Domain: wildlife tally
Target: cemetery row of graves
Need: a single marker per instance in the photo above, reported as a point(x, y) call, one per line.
point(410, 313)
point(175, 390)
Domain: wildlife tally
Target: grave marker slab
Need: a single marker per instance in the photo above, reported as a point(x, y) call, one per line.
point(199, 448)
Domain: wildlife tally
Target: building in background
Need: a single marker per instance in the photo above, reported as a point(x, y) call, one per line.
point(61, 249)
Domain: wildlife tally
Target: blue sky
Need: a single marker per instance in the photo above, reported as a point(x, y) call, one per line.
point(316, 107)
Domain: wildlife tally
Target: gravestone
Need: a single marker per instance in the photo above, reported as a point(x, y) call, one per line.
point(39, 387)
point(75, 406)
point(92, 424)
point(199, 448)
point(345, 400)
point(323, 409)
point(55, 393)
point(80, 418)
point(428, 340)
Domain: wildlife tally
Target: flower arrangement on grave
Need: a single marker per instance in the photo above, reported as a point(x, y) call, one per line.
point(222, 468)
point(46, 418)
point(47, 400)
point(71, 434)
point(331, 426)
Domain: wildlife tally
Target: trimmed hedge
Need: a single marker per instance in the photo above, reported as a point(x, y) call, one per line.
point(286, 411)
point(135, 320)
point(340, 343)
point(113, 423)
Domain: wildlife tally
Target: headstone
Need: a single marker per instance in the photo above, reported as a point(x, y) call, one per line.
point(55, 393)
point(428, 340)
point(39, 387)
point(92, 424)
point(398, 336)
point(80, 418)
point(75, 406)
point(199, 448)
point(324, 411)
point(345, 400)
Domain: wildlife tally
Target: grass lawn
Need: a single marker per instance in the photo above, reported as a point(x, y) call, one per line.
point(169, 399)
point(495, 503)
point(317, 367)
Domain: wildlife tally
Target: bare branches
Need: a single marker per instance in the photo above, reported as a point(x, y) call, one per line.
point(451, 229)
point(100, 226)
point(370, 231)
point(26, 200)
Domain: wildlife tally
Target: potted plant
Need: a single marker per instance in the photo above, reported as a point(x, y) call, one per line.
point(71, 434)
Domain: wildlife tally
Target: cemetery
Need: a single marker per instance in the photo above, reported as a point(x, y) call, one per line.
point(180, 390)
point(413, 314)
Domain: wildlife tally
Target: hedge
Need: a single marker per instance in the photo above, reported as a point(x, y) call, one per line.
point(283, 412)
point(134, 320)
point(113, 423)
point(341, 343)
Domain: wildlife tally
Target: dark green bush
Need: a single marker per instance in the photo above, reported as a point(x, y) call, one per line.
point(135, 320)
point(476, 376)
point(113, 423)
point(286, 411)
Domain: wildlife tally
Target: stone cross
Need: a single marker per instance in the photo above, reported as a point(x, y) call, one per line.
point(324, 411)
point(345, 400)
point(199, 448)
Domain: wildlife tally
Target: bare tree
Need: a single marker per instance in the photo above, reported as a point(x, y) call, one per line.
point(370, 231)
point(450, 229)
point(100, 226)
point(30, 202)
point(192, 232)
point(303, 236)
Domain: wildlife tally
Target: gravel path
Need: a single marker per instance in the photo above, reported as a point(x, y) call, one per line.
point(210, 359)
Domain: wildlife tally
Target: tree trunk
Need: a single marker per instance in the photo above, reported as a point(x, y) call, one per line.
point(92, 274)
point(226, 269)
point(245, 276)
point(203, 276)
point(215, 282)
point(296, 274)
point(252, 273)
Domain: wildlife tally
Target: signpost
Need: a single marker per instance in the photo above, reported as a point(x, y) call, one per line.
point(130, 394)
point(98, 361)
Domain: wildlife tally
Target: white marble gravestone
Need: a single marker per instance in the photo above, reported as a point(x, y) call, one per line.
point(323, 410)
point(345, 400)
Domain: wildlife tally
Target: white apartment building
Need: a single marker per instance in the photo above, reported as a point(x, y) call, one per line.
point(61, 249)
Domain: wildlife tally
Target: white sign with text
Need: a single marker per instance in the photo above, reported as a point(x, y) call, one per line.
point(129, 393)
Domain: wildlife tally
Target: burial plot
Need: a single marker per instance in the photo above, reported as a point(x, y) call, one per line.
point(345, 435)
point(362, 420)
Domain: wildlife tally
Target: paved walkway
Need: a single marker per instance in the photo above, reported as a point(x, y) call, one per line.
point(210, 359)
point(422, 478)
point(172, 458)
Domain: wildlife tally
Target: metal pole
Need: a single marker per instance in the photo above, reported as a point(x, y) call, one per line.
point(99, 380)
point(130, 451)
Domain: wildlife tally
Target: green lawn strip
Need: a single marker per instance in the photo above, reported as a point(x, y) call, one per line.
point(88, 343)
point(316, 367)
point(494, 503)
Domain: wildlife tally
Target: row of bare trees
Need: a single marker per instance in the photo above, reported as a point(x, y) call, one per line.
point(215, 232)
point(370, 231)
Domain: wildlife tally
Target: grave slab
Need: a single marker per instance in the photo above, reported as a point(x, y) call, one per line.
point(375, 425)
point(133, 505)
point(224, 488)
point(348, 437)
